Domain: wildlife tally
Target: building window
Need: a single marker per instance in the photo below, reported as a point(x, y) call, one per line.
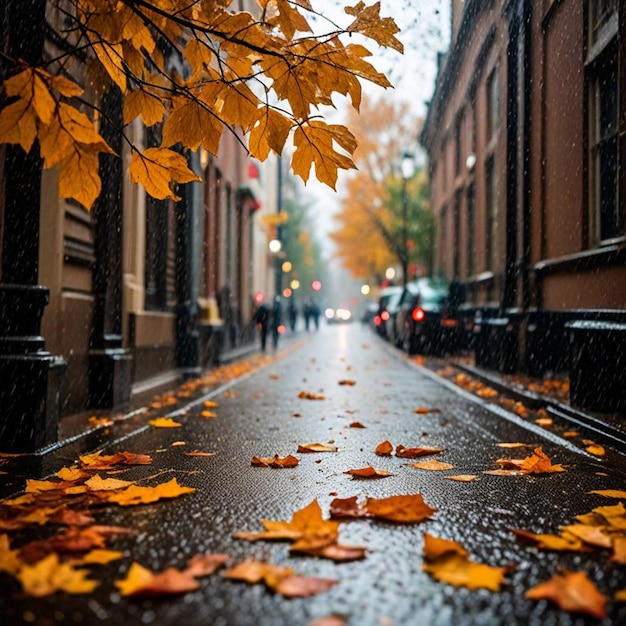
point(602, 20)
point(491, 222)
point(493, 103)
point(602, 81)
point(471, 253)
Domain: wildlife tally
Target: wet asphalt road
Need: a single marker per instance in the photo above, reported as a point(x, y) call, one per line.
point(256, 417)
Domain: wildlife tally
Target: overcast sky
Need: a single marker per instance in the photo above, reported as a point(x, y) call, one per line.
point(425, 30)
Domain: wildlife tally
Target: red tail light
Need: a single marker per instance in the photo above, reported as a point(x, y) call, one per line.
point(418, 315)
point(384, 316)
point(377, 320)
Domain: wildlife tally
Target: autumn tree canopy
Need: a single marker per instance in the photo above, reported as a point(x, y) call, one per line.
point(370, 232)
point(195, 68)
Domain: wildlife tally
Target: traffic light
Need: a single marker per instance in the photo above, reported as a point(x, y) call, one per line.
point(316, 285)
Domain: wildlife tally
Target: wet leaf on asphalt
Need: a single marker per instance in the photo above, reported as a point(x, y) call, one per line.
point(210, 404)
point(348, 382)
point(347, 508)
point(404, 509)
point(275, 461)
point(140, 581)
point(564, 542)
point(136, 494)
point(198, 453)
point(356, 425)
point(512, 445)
point(49, 575)
point(412, 453)
point(572, 592)
point(447, 561)
point(610, 493)
point(164, 422)
point(310, 395)
point(98, 461)
point(368, 472)
point(384, 449)
point(281, 580)
point(317, 447)
point(463, 478)
point(433, 466)
point(596, 449)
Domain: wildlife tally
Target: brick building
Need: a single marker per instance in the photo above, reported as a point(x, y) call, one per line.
point(526, 136)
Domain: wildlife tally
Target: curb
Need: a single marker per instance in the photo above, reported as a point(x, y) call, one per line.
point(601, 430)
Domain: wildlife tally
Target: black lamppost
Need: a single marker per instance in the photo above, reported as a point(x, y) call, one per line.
point(407, 168)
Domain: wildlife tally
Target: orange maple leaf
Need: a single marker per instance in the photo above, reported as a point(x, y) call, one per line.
point(573, 592)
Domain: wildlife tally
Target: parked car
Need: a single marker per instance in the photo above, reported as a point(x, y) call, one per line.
point(383, 314)
point(425, 320)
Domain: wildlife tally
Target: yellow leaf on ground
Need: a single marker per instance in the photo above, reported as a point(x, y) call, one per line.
point(596, 449)
point(136, 494)
point(619, 550)
point(49, 575)
point(100, 557)
point(208, 414)
point(96, 483)
point(570, 434)
point(512, 445)
point(310, 395)
point(199, 453)
point(9, 559)
point(573, 592)
point(610, 493)
point(589, 534)
point(463, 478)
point(70, 474)
point(447, 561)
point(317, 447)
point(434, 466)
point(551, 542)
point(210, 404)
point(305, 523)
point(408, 509)
point(164, 422)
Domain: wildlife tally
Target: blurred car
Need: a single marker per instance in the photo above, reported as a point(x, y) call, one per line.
point(383, 314)
point(425, 321)
point(392, 306)
point(338, 316)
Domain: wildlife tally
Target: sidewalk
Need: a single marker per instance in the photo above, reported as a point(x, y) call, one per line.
point(548, 398)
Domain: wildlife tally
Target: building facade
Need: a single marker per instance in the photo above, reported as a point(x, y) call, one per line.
point(107, 307)
point(525, 136)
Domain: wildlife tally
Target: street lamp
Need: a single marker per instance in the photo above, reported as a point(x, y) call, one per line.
point(407, 168)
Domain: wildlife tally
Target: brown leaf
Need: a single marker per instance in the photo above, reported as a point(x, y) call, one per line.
point(368, 472)
point(573, 592)
point(512, 445)
point(347, 382)
point(435, 466)
point(296, 586)
point(435, 547)
point(140, 581)
point(99, 461)
point(412, 453)
point(356, 425)
point(205, 564)
point(329, 620)
point(317, 447)
point(199, 453)
point(309, 395)
point(408, 509)
point(333, 551)
point(342, 508)
point(275, 461)
point(384, 449)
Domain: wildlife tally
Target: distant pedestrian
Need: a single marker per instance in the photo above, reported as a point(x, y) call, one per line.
point(292, 311)
point(262, 319)
point(306, 311)
point(276, 321)
point(315, 314)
